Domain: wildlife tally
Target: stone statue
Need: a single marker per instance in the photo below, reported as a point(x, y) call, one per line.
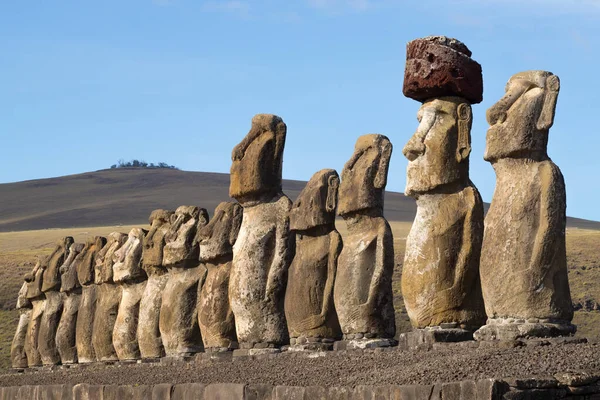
point(523, 259)
point(51, 282)
point(108, 296)
point(71, 296)
point(38, 303)
point(264, 247)
point(216, 239)
point(85, 264)
point(363, 285)
point(17, 349)
point(148, 335)
point(178, 313)
point(309, 308)
point(128, 273)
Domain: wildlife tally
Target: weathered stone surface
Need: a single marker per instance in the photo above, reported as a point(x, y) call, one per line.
point(68, 271)
point(49, 324)
point(309, 307)
point(440, 274)
point(130, 276)
point(162, 391)
point(229, 391)
point(580, 378)
point(51, 279)
point(188, 391)
point(438, 66)
point(523, 259)
point(264, 247)
point(363, 286)
point(215, 317)
point(258, 392)
point(17, 349)
point(178, 320)
point(149, 339)
point(65, 333)
point(425, 338)
point(84, 391)
point(85, 262)
point(38, 301)
point(84, 325)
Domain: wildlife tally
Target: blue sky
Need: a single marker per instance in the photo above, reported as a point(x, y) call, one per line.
point(85, 83)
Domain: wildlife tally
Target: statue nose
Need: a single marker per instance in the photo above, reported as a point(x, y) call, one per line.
point(413, 149)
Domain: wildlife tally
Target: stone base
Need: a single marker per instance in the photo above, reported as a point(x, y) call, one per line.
point(256, 351)
point(170, 360)
point(126, 362)
point(311, 347)
point(148, 360)
point(509, 329)
point(232, 346)
point(362, 344)
point(425, 338)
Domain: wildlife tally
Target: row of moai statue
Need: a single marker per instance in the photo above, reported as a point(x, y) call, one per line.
point(265, 272)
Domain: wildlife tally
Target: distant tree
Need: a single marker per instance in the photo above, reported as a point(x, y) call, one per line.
point(113, 166)
point(141, 164)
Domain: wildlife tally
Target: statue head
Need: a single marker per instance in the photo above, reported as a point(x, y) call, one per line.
point(365, 175)
point(520, 121)
point(317, 203)
point(219, 235)
point(154, 241)
point(257, 160)
point(438, 152)
point(68, 271)
point(52, 264)
point(181, 249)
point(85, 262)
point(104, 258)
point(34, 280)
point(127, 260)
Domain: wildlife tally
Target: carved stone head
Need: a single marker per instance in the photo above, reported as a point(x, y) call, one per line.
point(68, 271)
point(438, 152)
point(520, 120)
point(104, 258)
point(154, 241)
point(316, 204)
point(257, 160)
point(365, 175)
point(22, 300)
point(128, 259)
point(85, 262)
point(219, 235)
point(34, 281)
point(52, 263)
point(181, 249)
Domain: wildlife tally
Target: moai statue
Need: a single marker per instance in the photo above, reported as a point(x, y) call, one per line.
point(17, 349)
point(440, 275)
point(363, 285)
point(108, 296)
point(38, 303)
point(217, 324)
point(148, 335)
point(128, 273)
point(71, 296)
point(51, 281)
point(309, 308)
point(85, 264)
point(178, 313)
point(523, 259)
point(264, 247)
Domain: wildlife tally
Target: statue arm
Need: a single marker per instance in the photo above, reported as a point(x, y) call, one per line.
point(335, 248)
point(281, 259)
point(384, 233)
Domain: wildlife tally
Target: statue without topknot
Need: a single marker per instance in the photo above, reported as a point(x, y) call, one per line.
point(18, 355)
point(38, 302)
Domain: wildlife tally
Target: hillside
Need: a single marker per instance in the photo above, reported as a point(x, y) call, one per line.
point(127, 196)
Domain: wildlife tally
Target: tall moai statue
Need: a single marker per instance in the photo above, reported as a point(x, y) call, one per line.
point(363, 285)
point(38, 303)
point(523, 261)
point(264, 247)
point(71, 296)
point(148, 335)
point(179, 309)
point(309, 307)
point(217, 324)
point(440, 275)
point(128, 273)
point(108, 296)
point(85, 264)
point(17, 349)
point(51, 282)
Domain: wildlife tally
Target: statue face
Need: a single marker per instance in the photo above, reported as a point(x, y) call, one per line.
point(181, 249)
point(154, 241)
point(316, 204)
point(520, 120)
point(365, 175)
point(128, 258)
point(438, 151)
point(218, 237)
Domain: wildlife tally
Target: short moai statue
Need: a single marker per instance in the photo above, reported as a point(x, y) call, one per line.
point(217, 324)
point(523, 260)
point(363, 285)
point(17, 349)
point(51, 282)
point(85, 264)
point(179, 309)
point(38, 303)
point(264, 247)
point(148, 335)
point(108, 296)
point(128, 273)
point(309, 307)
point(440, 274)
point(71, 296)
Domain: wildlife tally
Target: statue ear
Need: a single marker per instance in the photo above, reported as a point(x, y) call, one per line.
point(236, 223)
point(333, 182)
point(551, 90)
point(465, 120)
point(280, 133)
point(202, 218)
point(384, 163)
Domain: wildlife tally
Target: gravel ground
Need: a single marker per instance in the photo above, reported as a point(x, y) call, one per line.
point(448, 364)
